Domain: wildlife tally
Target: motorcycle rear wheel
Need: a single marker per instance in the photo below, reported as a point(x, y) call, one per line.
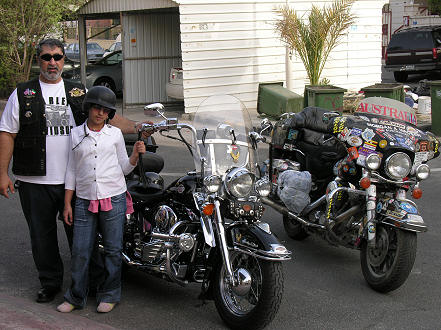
point(258, 307)
point(387, 266)
point(294, 229)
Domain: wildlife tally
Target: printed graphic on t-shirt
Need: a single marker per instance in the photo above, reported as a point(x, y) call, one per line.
point(57, 117)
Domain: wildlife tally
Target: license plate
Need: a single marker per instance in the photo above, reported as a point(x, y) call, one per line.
point(408, 67)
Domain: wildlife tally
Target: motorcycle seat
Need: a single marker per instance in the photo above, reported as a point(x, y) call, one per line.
point(310, 118)
point(140, 192)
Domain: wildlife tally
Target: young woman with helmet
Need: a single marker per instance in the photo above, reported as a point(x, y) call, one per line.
point(98, 162)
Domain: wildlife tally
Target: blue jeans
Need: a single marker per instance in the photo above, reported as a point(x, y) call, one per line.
point(111, 224)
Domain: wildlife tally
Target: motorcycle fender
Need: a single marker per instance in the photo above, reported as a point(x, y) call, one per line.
point(257, 239)
point(403, 215)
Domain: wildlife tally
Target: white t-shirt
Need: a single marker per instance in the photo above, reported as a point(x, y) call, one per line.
point(59, 121)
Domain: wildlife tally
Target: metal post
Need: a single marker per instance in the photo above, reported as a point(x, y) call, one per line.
point(82, 44)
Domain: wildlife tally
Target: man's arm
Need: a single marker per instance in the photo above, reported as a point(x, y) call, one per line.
point(127, 126)
point(6, 149)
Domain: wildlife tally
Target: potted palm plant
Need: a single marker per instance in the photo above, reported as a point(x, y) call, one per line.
point(313, 38)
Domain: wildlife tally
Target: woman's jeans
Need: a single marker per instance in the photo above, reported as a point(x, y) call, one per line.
point(111, 224)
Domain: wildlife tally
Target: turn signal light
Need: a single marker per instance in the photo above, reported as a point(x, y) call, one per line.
point(208, 209)
point(365, 182)
point(417, 193)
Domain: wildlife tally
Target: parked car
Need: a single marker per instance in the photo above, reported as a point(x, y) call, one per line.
point(174, 88)
point(106, 72)
point(113, 48)
point(414, 50)
point(94, 52)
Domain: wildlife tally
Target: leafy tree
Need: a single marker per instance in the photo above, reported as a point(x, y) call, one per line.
point(315, 37)
point(24, 23)
point(435, 7)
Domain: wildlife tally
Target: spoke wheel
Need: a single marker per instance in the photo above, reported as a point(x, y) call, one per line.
point(387, 265)
point(254, 301)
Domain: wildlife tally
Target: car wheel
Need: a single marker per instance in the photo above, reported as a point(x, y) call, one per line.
point(106, 82)
point(400, 76)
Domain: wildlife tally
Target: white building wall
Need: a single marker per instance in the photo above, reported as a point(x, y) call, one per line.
point(229, 47)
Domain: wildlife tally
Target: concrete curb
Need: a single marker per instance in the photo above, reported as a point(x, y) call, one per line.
point(18, 313)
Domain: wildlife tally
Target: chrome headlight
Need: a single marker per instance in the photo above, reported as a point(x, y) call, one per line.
point(239, 182)
point(398, 165)
point(373, 162)
point(422, 172)
point(263, 187)
point(212, 183)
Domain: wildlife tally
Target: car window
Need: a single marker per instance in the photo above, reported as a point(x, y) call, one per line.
point(118, 46)
point(93, 46)
point(112, 59)
point(411, 39)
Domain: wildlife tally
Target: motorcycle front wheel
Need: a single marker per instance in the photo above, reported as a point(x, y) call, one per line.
point(387, 266)
point(254, 302)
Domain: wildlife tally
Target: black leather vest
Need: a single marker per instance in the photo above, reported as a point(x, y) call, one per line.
point(29, 156)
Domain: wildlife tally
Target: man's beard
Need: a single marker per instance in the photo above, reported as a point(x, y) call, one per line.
point(52, 76)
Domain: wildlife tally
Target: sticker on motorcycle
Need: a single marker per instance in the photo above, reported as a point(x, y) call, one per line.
point(293, 133)
point(354, 141)
point(344, 135)
point(382, 144)
point(395, 214)
point(371, 228)
point(234, 152)
point(409, 208)
point(414, 218)
point(379, 207)
point(356, 131)
point(367, 134)
point(353, 153)
point(372, 145)
point(339, 124)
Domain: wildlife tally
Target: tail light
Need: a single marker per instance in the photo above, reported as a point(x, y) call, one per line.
point(385, 55)
point(434, 53)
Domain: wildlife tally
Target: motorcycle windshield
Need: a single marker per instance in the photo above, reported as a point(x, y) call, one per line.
point(222, 126)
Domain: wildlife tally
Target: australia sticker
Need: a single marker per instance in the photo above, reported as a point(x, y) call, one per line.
point(76, 92)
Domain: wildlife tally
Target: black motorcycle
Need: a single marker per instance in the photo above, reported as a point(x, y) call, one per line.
point(205, 226)
point(345, 178)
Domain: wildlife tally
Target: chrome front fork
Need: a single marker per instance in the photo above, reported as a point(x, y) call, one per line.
point(371, 204)
point(223, 242)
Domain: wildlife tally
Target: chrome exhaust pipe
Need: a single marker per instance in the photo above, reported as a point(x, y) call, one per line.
point(285, 211)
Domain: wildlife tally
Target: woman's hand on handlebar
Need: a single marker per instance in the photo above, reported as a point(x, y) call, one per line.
point(138, 148)
point(139, 127)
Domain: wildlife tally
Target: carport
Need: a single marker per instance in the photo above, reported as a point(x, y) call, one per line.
point(150, 44)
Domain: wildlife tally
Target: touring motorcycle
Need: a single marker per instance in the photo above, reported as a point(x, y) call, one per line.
point(205, 226)
point(345, 178)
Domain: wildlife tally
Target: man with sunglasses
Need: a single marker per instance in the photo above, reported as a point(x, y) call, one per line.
point(34, 129)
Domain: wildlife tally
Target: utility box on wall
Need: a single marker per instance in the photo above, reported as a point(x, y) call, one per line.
point(273, 99)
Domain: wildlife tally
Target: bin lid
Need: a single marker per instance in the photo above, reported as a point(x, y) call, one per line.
point(325, 89)
point(384, 106)
point(383, 87)
point(435, 83)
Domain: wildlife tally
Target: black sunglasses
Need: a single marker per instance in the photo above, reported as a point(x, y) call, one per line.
point(48, 57)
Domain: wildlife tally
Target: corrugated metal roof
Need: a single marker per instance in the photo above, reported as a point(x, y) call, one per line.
point(113, 6)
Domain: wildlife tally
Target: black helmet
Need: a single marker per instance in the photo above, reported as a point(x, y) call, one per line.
point(100, 95)
point(154, 181)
